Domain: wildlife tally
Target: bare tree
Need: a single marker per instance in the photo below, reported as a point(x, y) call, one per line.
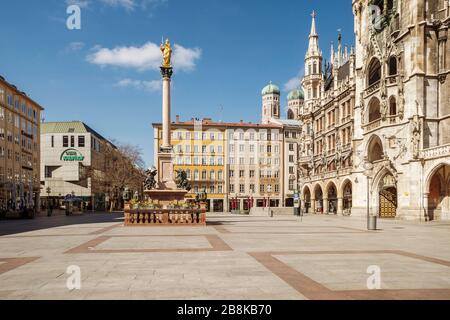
point(124, 168)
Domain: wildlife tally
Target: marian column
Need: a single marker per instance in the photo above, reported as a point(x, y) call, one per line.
point(165, 165)
point(166, 72)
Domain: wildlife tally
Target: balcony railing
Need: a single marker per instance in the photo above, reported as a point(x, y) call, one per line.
point(346, 119)
point(346, 146)
point(391, 79)
point(372, 125)
point(371, 89)
point(391, 119)
point(436, 152)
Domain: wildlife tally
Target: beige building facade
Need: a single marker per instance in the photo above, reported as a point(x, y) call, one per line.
point(376, 121)
point(326, 144)
point(74, 163)
point(402, 110)
point(19, 149)
point(240, 165)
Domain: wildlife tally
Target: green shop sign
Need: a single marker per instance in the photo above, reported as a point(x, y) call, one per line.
point(72, 155)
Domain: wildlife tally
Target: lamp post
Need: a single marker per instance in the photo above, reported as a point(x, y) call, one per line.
point(49, 209)
point(368, 166)
point(269, 191)
point(71, 203)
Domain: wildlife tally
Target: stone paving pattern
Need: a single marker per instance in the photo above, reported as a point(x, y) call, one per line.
point(234, 257)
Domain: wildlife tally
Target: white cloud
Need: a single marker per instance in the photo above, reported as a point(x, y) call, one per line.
point(150, 86)
point(185, 58)
point(127, 4)
point(147, 57)
point(292, 84)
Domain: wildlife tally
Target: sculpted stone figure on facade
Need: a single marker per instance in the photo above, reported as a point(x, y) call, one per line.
point(363, 111)
point(416, 134)
point(401, 98)
point(383, 109)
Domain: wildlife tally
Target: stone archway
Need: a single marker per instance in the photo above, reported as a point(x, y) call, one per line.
point(331, 204)
point(375, 149)
point(306, 199)
point(387, 197)
point(374, 110)
point(318, 199)
point(347, 197)
point(438, 194)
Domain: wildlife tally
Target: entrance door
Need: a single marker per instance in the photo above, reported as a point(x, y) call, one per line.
point(388, 203)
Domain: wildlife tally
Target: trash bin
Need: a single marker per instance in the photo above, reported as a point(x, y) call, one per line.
point(373, 223)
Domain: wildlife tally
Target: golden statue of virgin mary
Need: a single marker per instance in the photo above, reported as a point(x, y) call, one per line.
point(166, 50)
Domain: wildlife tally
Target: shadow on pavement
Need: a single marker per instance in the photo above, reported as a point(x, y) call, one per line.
point(10, 227)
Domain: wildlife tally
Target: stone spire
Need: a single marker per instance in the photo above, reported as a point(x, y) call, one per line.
point(340, 49)
point(313, 49)
point(332, 53)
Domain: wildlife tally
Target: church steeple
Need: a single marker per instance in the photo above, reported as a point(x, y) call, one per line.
point(312, 82)
point(313, 49)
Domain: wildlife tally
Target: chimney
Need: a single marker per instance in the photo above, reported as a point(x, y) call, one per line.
point(178, 118)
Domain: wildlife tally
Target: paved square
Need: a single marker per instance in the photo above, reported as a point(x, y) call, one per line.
point(233, 257)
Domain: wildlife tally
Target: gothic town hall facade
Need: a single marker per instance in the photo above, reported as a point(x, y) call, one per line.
point(376, 119)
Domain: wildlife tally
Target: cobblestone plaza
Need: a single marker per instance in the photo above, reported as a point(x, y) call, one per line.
point(234, 257)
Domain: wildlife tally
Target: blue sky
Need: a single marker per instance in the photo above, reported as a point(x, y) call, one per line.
point(105, 74)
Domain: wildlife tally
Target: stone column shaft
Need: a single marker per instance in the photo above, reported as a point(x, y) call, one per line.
point(166, 113)
point(340, 206)
point(325, 206)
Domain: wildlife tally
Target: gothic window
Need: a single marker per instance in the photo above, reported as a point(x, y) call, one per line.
point(374, 110)
point(290, 115)
point(374, 74)
point(392, 66)
point(315, 67)
point(375, 149)
point(392, 106)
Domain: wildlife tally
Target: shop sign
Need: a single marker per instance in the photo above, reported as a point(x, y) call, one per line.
point(72, 155)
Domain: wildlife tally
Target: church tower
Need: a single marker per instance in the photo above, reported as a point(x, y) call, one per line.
point(270, 103)
point(313, 79)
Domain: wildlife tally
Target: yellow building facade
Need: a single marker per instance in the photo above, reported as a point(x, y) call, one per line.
point(199, 148)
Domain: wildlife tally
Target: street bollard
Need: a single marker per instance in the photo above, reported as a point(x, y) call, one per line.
point(373, 223)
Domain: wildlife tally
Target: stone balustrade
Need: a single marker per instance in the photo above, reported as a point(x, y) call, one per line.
point(371, 89)
point(372, 125)
point(143, 217)
point(436, 152)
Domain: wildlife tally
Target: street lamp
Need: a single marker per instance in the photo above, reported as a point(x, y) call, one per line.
point(49, 210)
point(371, 223)
point(269, 191)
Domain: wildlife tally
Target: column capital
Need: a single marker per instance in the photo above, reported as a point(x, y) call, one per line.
point(166, 72)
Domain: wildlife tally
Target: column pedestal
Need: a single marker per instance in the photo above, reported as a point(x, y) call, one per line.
point(165, 172)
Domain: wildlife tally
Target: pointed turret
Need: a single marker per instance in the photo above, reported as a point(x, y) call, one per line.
point(314, 73)
point(313, 49)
